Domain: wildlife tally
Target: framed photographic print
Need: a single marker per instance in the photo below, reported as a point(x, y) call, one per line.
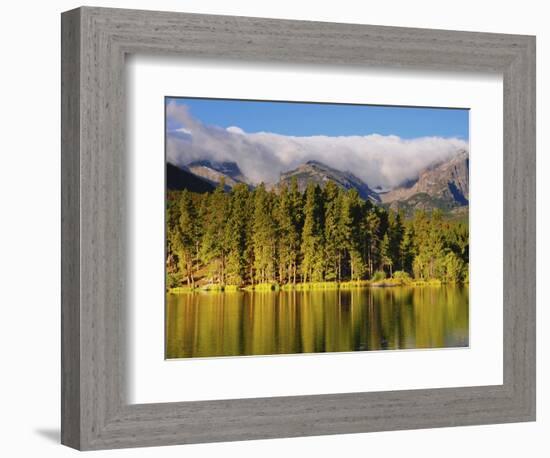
point(274, 245)
point(286, 228)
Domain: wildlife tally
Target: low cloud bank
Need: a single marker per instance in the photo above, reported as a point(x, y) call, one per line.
point(379, 160)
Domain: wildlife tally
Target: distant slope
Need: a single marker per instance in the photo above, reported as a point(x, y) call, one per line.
point(317, 172)
point(214, 172)
point(444, 186)
point(178, 179)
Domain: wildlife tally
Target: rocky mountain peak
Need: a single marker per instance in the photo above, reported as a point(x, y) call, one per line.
point(214, 172)
point(319, 173)
point(443, 185)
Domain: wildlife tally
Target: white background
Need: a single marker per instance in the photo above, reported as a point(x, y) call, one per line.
point(156, 380)
point(29, 232)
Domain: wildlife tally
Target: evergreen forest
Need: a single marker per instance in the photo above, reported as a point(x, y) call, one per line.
point(325, 236)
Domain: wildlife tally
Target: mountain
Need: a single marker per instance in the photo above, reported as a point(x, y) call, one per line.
point(444, 185)
point(178, 179)
point(213, 172)
point(320, 173)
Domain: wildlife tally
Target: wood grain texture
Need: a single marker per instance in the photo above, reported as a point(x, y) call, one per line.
point(96, 413)
point(70, 229)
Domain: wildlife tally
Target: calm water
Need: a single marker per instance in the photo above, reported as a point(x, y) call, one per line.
point(266, 323)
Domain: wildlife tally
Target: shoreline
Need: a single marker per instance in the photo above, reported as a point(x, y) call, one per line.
point(320, 286)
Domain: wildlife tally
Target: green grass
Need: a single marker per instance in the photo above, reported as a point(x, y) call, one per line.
point(232, 288)
point(389, 282)
point(325, 285)
point(209, 288)
point(309, 286)
point(181, 290)
point(213, 287)
point(397, 280)
point(355, 284)
point(431, 282)
point(262, 287)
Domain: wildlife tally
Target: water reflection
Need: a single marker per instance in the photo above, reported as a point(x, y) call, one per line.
point(265, 323)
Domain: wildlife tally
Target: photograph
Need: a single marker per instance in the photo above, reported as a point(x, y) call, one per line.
point(297, 227)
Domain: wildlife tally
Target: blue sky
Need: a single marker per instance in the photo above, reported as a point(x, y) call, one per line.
point(307, 119)
point(384, 146)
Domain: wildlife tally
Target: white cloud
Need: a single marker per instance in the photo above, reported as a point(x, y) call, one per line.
point(235, 130)
point(377, 159)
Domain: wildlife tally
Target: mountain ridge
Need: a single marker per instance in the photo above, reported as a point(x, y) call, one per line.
point(443, 185)
point(321, 173)
point(214, 172)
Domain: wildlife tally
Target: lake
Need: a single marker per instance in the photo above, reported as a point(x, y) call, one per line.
point(208, 324)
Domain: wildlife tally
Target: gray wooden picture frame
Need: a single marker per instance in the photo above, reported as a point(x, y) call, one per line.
point(95, 411)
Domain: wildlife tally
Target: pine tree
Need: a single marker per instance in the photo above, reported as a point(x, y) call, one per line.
point(332, 234)
point(249, 236)
point(312, 235)
point(395, 234)
point(235, 235)
point(288, 224)
point(406, 250)
point(297, 222)
point(385, 253)
point(264, 237)
point(188, 234)
point(213, 249)
point(353, 214)
point(172, 234)
point(373, 224)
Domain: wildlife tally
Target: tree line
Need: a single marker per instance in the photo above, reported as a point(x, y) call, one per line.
point(325, 234)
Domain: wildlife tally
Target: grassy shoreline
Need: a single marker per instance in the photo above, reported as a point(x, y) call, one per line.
point(310, 286)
